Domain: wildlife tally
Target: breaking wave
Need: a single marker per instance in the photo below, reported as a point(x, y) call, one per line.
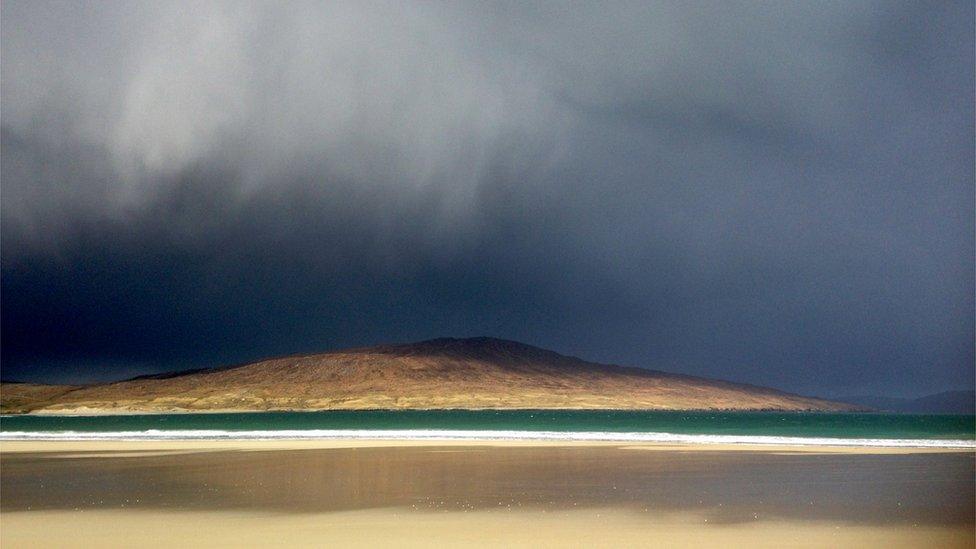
point(454, 435)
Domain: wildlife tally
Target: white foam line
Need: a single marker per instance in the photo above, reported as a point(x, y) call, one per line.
point(451, 435)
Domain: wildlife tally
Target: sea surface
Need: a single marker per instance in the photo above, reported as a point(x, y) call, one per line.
point(848, 429)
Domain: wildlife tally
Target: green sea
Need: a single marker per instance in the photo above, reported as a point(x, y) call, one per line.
point(868, 429)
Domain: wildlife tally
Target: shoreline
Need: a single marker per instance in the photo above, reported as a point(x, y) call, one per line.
point(464, 436)
point(84, 411)
point(10, 446)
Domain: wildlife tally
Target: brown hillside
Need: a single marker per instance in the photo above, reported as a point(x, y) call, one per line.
point(21, 397)
point(441, 373)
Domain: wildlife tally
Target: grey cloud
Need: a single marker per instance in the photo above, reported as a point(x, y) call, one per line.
point(774, 193)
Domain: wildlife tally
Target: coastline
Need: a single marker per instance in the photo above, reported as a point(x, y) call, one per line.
point(11, 446)
point(490, 436)
point(615, 426)
point(84, 411)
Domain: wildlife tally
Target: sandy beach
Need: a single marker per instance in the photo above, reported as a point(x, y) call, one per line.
point(405, 493)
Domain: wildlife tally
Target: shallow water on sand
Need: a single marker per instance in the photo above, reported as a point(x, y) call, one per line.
point(727, 486)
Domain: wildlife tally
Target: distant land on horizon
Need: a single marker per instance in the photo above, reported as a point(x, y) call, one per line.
point(947, 402)
point(447, 373)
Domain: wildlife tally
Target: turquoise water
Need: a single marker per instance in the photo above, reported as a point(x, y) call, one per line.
point(731, 424)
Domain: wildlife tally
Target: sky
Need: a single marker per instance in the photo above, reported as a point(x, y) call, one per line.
point(777, 193)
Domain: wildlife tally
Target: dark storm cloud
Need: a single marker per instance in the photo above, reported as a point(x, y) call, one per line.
point(773, 193)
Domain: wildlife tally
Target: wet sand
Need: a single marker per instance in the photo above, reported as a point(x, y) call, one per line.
point(366, 493)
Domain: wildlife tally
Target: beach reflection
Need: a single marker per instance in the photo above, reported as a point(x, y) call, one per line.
point(730, 487)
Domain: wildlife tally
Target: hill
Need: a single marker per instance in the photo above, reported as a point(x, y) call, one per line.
point(441, 373)
point(18, 397)
point(948, 402)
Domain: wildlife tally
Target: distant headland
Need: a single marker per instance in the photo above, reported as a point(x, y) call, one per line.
point(447, 373)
